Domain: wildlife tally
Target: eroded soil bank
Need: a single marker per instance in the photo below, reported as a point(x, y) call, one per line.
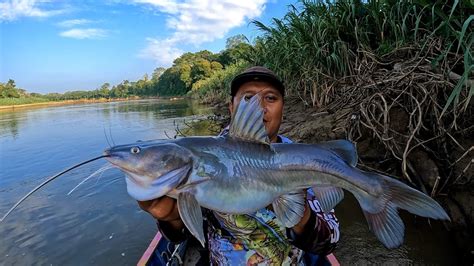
point(310, 125)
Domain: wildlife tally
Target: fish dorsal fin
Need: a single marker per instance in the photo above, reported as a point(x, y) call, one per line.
point(344, 148)
point(247, 121)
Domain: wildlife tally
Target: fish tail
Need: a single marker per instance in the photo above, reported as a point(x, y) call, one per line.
point(381, 212)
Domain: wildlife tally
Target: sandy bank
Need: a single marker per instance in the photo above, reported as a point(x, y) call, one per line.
point(65, 102)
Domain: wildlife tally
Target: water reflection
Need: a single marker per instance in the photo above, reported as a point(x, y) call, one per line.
point(9, 123)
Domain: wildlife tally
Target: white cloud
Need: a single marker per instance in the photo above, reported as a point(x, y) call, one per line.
point(91, 33)
point(168, 6)
point(74, 22)
point(11, 10)
point(198, 21)
point(162, 51)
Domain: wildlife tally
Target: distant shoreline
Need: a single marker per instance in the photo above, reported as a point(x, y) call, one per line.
point(81, 101)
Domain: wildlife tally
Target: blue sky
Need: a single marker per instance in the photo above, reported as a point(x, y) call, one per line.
point(58, 45)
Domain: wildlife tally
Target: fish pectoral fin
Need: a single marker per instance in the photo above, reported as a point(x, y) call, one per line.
point(191, 214)
point(328, 197)
point(289, 208)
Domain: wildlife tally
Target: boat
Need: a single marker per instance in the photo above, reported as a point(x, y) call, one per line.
point(151, 256)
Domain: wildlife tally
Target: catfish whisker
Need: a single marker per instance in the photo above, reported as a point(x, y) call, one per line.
point(110, 133)
point(167, 135)
point(47, 181)
point(100, 171)
point(106, 138)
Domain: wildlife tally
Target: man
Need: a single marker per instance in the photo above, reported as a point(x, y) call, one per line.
point(256, 238)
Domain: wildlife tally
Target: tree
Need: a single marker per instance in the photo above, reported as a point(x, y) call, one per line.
point(201, 70)
point(241, 51)
point(157, 73)
point(8, 90)
point(104, 91)
point(235, 40)
point(215, 66)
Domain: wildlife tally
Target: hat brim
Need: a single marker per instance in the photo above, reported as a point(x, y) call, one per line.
point(239, 80)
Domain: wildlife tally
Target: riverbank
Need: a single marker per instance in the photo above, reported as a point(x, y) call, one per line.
point(307, 124)
point(64, 102)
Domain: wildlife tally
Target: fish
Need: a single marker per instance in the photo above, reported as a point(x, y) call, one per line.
point(242, 172)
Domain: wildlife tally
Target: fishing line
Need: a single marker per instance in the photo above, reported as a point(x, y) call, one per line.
point(100, 171)
point(47, 181)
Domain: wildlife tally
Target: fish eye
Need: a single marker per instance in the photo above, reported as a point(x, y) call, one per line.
point(135, 150)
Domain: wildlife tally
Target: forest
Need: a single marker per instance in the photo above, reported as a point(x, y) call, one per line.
point(188, 73)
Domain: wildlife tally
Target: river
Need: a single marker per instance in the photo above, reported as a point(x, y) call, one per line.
point(99, 223)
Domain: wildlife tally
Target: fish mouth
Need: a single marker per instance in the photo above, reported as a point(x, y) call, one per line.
point(158, 187)
point(117, 160)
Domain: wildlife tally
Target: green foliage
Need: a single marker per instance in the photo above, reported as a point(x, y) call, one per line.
point(18, 101)
point(317, 42)
point(216, 87)
point(157, 73)
point(235, 40)
point(192, 68)
point(240, 51)
point(9, 90)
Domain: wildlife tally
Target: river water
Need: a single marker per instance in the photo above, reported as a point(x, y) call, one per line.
point(99, 223)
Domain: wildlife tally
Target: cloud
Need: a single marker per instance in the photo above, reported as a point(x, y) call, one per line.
point(196, 22)
point(74, 22)
point(164, 52)
point(91, 33)
point(14, 9)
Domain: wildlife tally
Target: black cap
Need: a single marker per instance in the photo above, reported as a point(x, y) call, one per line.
point(256, 73)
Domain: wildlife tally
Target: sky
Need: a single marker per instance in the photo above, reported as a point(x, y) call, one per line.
point(58, 45)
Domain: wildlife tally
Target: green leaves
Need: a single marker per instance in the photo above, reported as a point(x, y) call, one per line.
point(319, 42)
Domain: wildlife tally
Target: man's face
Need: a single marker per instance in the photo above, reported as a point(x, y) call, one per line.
point(272, 104)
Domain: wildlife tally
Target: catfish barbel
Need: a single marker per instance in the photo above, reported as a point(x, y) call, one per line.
point(243, 172)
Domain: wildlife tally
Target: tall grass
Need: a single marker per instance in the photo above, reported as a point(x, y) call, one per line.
point(18, 101)
point(318, 43)
point(384, 62)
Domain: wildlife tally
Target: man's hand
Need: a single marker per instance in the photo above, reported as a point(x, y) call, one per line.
point(164, 209)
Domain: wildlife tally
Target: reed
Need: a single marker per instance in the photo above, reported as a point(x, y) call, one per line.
point(318, 43)
point(403, 70)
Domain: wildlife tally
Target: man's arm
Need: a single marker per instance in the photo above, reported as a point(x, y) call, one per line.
point(319, 234)
point(165, 211)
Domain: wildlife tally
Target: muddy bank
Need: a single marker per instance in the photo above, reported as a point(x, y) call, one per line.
point(310, 125)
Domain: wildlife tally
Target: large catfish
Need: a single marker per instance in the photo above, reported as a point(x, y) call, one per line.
point(243, 172)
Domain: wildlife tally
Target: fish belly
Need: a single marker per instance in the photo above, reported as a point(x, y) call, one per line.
point(232, 199)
